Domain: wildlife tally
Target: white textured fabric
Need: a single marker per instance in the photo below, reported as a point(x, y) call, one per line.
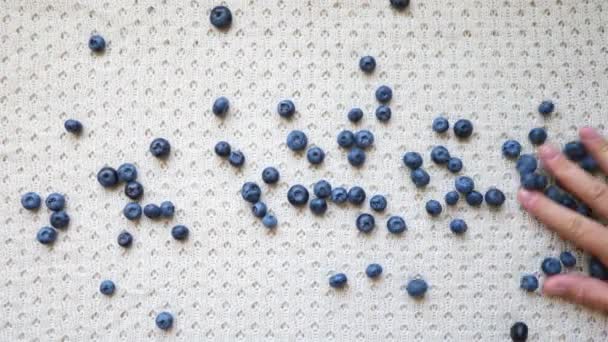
point(488, 61)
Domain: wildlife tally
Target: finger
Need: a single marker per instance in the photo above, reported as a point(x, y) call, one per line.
point(576, 180)
point(570, 225)
point(596, 145)
point(579, 289)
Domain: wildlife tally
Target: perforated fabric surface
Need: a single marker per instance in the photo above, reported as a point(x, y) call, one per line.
point(488, 61)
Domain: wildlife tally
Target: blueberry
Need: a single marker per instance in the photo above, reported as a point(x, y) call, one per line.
point(554, 193)
point(355, 114)
point(551, 266)
point(537, 136)
point(400, 4)
point(454, 165)
point(365, 223)
point(339, 195)
point(315, 155)
point(167, 209)
point(377, 203)
point(107, 287)
point(420, 178)
point(164, 320)
point(433, 207)
point(474, 198)
point(220, 17)
point(125, 239)
point(134, 190)
point(452, 197)
point(259, 209)
point(132, 211)
point(31, 200)
point(55, 201)
point(519, 332)
point(367, 64)
point(107, 177)
point(297, 195)
point(220, 107)
point(222, 149)
point(127, 172)
point(297, 140)
point(575, 150)
point(73, 126)
point(464, 184)
point(546, 107)
point(318, 206)
point(356, 157)
point(463, 128)
point(236, 158)
point(458, 226)
point(97, 43)
point(338, 280)
point(589, 164)
point(269, 221)
point(270, 175)
point(441, 124)
point(180, 232)
point(511, 149)
point(373, 270)
point(417, 288)
point(59, 219)
point(534, 181)
point(286, 108)
point(597, 269)
point(383, 113)
point(46, 235)
point(526, 163)
point(440, 155)
point(322, 189)
point(251, 192)
point(568, 201)
point(529, 283)
point(568, 259)
point(583, 209)
point(364, 139)
point(160, 147)
point(346, 139)
point(413, 160)
point(494, 197)
point(396, 225)
point(384, 94)
point(356, 195)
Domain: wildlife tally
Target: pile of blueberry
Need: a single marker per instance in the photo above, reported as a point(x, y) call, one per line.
point(59, 219)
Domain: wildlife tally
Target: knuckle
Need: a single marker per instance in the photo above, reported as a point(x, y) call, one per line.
point(573, 229)
point(579, 295)
point(599, 192)
point(603, 148)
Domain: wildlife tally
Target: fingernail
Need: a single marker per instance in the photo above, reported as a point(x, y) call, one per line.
point(588, 133)
point(548, 152)
point(556, 290)
point(525, 197)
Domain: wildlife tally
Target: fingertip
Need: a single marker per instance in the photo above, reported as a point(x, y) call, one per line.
point(548, 152)
point(526, 197)
point(589, 133)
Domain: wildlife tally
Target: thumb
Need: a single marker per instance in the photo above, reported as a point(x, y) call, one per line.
point(579, 289)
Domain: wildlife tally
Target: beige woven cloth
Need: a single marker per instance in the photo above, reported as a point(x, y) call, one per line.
point(488, 61)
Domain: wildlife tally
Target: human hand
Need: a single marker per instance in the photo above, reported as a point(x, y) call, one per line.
point(585, 232)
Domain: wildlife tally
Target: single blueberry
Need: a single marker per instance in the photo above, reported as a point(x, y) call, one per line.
point(251, 192)
point(318, 206)
point(127, 172)
point(554, 193)
point(346, 139)
point(546, 107)
point(396, 225)
point(384, 94)
point(356, 157)
point(551, 266)
point(220, 17)
point(220, 107)
point(526, 163)
point(355, 115)
point(511, 149)
point(236, 158)
point(433, 207)
point(567, 258)
point(338, 280)
point(534, 181)
point(373, 270)
point(97, 43)
point(134, 190)
point(474, 198)
point(222, 149)
point(575, 150)
point(164, 320)
point(322, 189)
point(125, 239)
point(269, 221)
point(463, 128)
point(568, 201)
point(440, 155)
point(31, 200)
point(583, 209)
point(315, 155)
point(413, 160)
point(420, 177)
point(107, 287)
point(494, 197)
point(452, 197)
point(417, 288)
point(339, 195)
point(259, 209)
point(297, 140)
point(454, 165)
point(297, 195)
point(400, 4)
point(107, 177)
point(270, 175)
point(180, 232)
point(365, 223)
point(464, 184)
point(519, 332)
point(59, 219)
point(356, 195)
point(167, 209)
point(597, 269)
point(160, 147)
point(458, 226)
point(377, 203)
point(383, 113)
point(132, 211)
point(152, 211)
point(286, 108)
point(589, 164)
point(367, 64)
point(441, 124)
point(55, 201)
point(364, 139)
point(73, 126)
point(529, 283)
point(537, 136)
point(46, 235)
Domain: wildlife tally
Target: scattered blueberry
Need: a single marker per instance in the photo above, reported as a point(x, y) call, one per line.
point(297, 140)
point(413, 160)
point(546, 107)
point(60, 219)
point(134, 190)
point(107, 287)
point(127, 172)
point(236, 158)
point(417, 288)
point(384, 94)
point(433, 208)
point(463, 128)
point(420, 177)
point(440, 155)
point(568, 259)
point(322, 189)
point(597, 269)
point(167, 209)
point(365, 223)
point(222, 149)
point(452, 197)
point(356, 195)
point(286, 108)
point(464, 184)
point(46, 235)
point(519, 332)
point(72, 126)
point(355, 114)
point(551, 266)
point(297, 195)
point(251, 192)
point(511, 149)
point(441, 124)
point(31, 200)
point(377, 203)
point(400, 4)
point(373, 270)
point(554, 193)
point(125, 239)
point(589, 164)
point(526, 163)
point(529, 283)
point(259, 209)
point(568, 201)
point(97, 43)
point(364, 139)
point(164, 320)
point(132, 211)
point(458, 226)
point(160, 147)
point(338, 280)
point(583, 209)
point(220, 17)
point(383, 113)
point(152, 211)
point(356, 157)
point(454, 165)
point(494, 197)
point(534, 181)
point(537, 136)
point(55, 201)
point(474, 198)
point(221, 105)
point(339, 195)
point(367, 64)
point(396, 225)
point(318, 206)
point(346, 139)
point(315, 155)
point(269, 221)
point(107, 177)
point(180, 232)
point(270, 175)
point(575, 150)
